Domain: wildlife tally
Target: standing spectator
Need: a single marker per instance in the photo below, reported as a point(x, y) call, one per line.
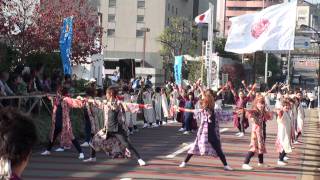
point(17, 137)
point(311, 95)
point(46, 83)
point(148, 81)
point(115, 78)
point(4, 88)
point(19, 87)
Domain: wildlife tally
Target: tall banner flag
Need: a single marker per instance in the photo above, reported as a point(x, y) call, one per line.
point(204, 17)
point(271, 29)
point(65, 44)
point(178, 69)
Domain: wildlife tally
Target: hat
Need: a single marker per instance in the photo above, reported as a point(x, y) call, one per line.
point(92, 80)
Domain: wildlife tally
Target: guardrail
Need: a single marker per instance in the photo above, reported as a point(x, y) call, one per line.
point(29, 102)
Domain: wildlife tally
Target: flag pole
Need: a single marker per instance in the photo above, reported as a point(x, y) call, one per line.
point(210, 41)
point(266, 69)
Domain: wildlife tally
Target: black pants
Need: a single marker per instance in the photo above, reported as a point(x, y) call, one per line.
point(264, 125)
point(215, 143)
point(217, 148)
point(55, 135)
point(282, 155)
point(250, 155)
point(87, 128)
point(57, 131)
point(241, 123)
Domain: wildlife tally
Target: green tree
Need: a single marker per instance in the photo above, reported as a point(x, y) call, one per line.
point(219, 44)
point(273, 66)
point(178, 38)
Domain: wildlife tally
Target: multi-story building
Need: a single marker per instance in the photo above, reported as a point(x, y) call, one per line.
point(308, 14)
point(133, 27)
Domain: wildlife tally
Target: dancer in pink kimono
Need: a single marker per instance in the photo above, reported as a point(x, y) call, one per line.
point(207, 141)
point(258, 117)
point(239, 119)
point(61, 123)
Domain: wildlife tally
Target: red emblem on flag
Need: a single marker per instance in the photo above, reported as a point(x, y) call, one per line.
point(201, 18)
point(258, 28)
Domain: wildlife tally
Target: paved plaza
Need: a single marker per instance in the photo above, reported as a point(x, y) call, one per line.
point(164, 148)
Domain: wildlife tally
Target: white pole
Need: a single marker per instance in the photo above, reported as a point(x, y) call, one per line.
point(288, 78)
point(266, 69)
point(210, 39)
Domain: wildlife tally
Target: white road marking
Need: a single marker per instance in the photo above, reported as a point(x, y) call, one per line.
point(185, 148)
point(224, 130)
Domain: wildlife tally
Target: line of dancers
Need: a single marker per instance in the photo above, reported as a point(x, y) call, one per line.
point(109, 120)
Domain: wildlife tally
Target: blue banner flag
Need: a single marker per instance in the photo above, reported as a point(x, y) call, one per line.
point(65, 44)
point(178, 69)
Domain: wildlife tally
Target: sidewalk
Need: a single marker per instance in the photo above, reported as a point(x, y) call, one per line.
point(311, 155)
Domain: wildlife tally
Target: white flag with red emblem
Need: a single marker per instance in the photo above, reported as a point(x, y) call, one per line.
point(203, 18)
point(271, 29)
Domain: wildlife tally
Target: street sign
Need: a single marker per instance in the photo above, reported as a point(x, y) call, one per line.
point(207, 55)
point(301, 42)
point(225, 78)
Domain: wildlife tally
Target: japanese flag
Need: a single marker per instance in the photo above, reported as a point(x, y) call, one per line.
point(204, 17)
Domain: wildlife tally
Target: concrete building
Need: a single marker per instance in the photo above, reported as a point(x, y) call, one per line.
point(126, 22)
point(308, 14)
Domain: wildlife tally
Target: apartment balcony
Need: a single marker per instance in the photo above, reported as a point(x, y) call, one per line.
point(252, 4)
point(233, 13)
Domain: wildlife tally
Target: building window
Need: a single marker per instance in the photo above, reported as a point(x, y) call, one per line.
point(168, 6)
point(139, 33)
point(111, 32)
point(140, 19)
point(141, 4)
point(172, 9)
point(111, 18)
point(112, 3)
point(176, 11)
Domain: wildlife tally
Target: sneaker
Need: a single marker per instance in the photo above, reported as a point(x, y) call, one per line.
point(81, 156)
point(90, 160)
point(187, 132)
point(297, 142)
point(155, 125)
point(246, 167)
point(181, 129)
point(227, 168)
point(164, 123)
point(241, 135)
point(59, 149)
point(85, 144)
point(238, 133)
point(66, 147)
point(46, 153)
point(131, 132)
point(183, 165)
point(145, 126)
point(281, 163)
point(141, 162)
point(263, 165)
point(136, 130)
point(286, 158)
